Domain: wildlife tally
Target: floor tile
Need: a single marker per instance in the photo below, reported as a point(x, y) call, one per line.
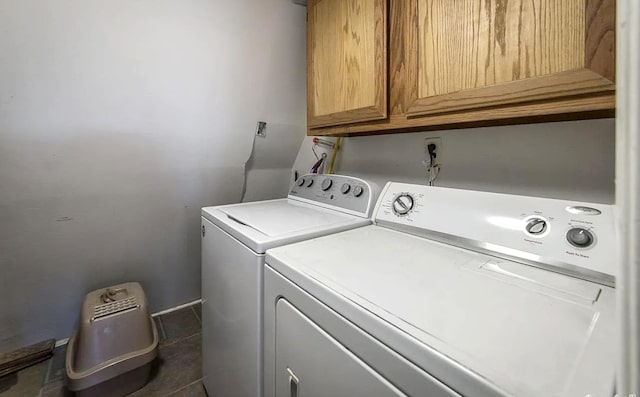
point(55, 389)
point(24, 383)
point(198, 310)
point(193, 390)
point(55, 368)
point(180, 324)
point(179, 365)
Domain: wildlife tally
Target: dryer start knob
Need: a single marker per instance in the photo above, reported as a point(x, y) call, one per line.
point(579, 237)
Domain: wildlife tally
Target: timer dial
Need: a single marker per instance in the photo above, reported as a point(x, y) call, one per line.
point(403, 204)
point(358, 190)
point(326, 184)
point(580, 237)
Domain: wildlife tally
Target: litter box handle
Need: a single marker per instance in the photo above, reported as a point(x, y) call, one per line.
point(110, 293)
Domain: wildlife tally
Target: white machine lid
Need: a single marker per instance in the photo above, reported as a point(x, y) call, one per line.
point(276, 218)
point(518, 330)
point(266, 224)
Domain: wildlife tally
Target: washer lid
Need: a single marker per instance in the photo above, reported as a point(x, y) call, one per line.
point(275, 218)
point(508, 327)
point(266, 224)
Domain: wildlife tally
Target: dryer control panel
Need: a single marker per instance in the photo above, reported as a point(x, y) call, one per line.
point(570, 237)
point(344, 193)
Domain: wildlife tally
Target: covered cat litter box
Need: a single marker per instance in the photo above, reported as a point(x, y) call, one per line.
point(110, 353)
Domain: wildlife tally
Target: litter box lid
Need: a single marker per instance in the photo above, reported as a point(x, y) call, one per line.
point(116, 335)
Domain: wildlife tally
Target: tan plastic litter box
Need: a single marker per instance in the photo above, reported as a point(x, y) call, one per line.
point(111, 352)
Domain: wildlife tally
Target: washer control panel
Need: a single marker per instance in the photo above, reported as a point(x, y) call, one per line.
point(576, 236)
point(348, 193)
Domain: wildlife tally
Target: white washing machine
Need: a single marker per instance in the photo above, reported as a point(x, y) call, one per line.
point(234, 240)
point(449, 292)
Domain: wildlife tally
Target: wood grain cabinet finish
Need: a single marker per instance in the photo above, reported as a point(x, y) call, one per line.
point(458, 63)
point(347, 61)
point(482, 53)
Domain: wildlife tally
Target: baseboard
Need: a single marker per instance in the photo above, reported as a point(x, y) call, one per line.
point(63, 342)
point(173, 309)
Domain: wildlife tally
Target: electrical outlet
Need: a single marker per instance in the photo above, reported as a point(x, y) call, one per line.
point(261, 129)
point(437, 151)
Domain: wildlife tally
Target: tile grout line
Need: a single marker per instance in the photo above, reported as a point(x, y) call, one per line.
point(183, 387)
point(182, 339)
point(196, 314)
point(163, 332)
point(46, 374)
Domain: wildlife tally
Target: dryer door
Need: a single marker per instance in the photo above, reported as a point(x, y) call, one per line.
point(310, 363)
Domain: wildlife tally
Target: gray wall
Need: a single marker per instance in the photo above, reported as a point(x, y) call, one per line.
point(569, 160)
point(118, 121)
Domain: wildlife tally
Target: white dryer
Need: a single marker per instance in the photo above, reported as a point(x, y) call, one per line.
point(234, 240)
point(449, 293)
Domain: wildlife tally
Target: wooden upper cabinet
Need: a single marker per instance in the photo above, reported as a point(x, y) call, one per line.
point(473, 54)
point(347, 61)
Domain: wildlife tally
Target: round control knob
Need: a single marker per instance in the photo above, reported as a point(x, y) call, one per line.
point(536, 226)
point(358, 190)
point(345, 188)
point(300, 182)
point(326, 184)
point(403, 204)
point(579, 237)
point(309, 182)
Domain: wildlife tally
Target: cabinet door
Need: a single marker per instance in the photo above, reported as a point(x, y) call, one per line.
point(475, 54)
point(310, 363)
point(346, 61)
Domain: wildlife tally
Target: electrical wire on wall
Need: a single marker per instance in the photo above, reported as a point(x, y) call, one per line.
point(432, 167)
point(318, 166)
point(261, 132)
point(333, 155)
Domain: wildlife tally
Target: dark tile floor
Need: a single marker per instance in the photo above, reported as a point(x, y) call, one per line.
point(176, 373)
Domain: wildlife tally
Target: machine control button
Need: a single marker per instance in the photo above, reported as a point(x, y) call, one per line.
point(358, 190)
point(536, 226)
point(326, 184)
point(300, 182)
point(309, 182)
point(345, 188)
point(402, 204)
point(580, 237)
